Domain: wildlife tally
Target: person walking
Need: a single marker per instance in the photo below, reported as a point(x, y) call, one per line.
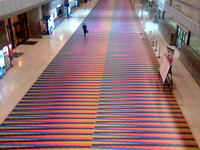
point(85, 31)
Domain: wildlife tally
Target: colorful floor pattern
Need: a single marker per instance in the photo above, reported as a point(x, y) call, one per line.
point(100, 92)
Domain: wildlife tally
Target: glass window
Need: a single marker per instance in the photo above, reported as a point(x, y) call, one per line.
point(182, 37)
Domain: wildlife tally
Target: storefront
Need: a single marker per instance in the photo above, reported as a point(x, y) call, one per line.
point(53, 15)
point(5, 59)
point(17, 29)
point(47, 25)
point(21, 27)
point(57, 13)
point(182, 36)
point(5, 50)
point(2, 64)
point(70, 4)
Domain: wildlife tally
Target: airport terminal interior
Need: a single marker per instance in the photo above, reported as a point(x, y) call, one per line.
point(100, 74)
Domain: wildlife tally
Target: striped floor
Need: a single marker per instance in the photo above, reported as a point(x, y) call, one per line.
point(100, 92)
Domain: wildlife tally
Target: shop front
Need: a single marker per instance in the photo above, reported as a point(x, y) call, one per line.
point(5, 59)
point(57, 14)
point(53, 15)
point(182, 36)
point(17, 29)
point(34, 17)
point(47, 25)
point(70, 5)
point(5, 50)
point(2, 64)
point(21, 27)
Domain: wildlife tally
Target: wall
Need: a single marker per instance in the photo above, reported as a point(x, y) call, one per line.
point(55, 3)
point(191, 61)
point(34, 17)
point(14, 20)
point(10, 8)
point(46, 10)
point(167, 32)
point(190, 8)
point(189, 15)
point(3, 35)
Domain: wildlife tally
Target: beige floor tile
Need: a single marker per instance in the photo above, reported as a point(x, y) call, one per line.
point(186, 90)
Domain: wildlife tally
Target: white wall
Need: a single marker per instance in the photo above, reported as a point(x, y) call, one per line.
point(10, 7)
point(186, 12)
point(190, 8)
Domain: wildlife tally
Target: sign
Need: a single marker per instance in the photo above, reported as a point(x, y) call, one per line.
point(2, 63)
point(170, 54)
point(164, 68)
point(6, 57)
point(170, 51)
point(53, 13)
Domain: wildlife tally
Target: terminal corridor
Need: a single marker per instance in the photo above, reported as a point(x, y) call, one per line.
point(102, 91)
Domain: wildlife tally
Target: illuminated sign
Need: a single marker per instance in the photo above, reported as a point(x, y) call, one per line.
point(5, 50)
point(2, 61)
point(53, 13)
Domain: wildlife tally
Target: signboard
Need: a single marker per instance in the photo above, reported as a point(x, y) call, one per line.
point(6, 57)
point(170, 51)
point(51, 25)
point(53, 13)
point(2, 63)
point(164, 68)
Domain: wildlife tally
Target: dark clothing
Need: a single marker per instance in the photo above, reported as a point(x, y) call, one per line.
point(85, 29)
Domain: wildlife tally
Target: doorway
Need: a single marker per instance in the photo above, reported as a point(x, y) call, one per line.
point(21, 29)
point(10, 33)
point(182, 37)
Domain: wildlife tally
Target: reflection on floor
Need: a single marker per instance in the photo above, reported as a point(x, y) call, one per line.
point(31, 60)
point(30, 42)
point(186, 90)
point(100, 93)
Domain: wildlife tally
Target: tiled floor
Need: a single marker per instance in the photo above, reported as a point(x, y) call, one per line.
point(186, 90)
point(35, 59)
